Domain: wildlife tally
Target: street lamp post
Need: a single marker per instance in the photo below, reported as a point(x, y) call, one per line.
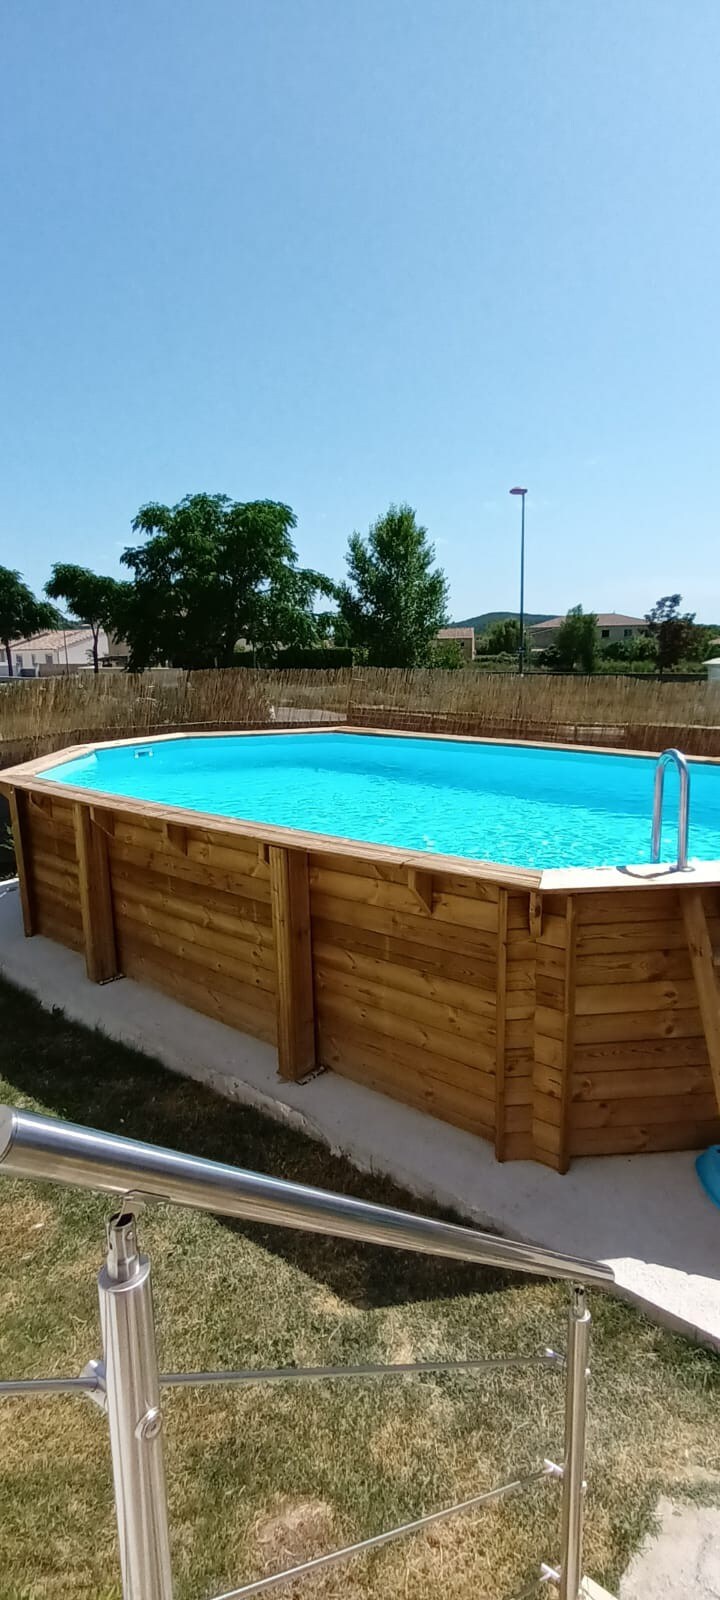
point(521, 641)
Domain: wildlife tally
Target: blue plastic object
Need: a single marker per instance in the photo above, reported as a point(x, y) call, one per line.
point(707, 1167)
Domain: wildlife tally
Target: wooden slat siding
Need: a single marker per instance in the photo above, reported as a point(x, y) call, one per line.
point(200, 932)
point(641, 1075)
point(96, 906)
point(236, 916)
point(630, 1055)
point(523, 917)
point(424, 932)
point(51, 861)
point(554, 1021)
point(628, 938)
point(614, 907)
point(395, 1020)
point(403, 1057)
point(201, 994)
point(406, 991)
point(504, 1095)
point(20, 831)
point(705, 978)
point(453, 997)
point(645, 1111)
point(290, 890)
point(645, 1138)
point(500, 1026)
point(200, 947)
point(477, 972)
point(368, 1061)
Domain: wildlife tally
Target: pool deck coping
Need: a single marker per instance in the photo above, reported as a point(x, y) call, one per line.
point(28, 776)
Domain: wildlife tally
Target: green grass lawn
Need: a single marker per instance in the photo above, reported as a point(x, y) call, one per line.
point(265, 1477)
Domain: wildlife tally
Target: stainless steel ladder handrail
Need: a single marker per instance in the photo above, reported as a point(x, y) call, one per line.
point(680, 762)
point(33, 1146)
point(127, 1383)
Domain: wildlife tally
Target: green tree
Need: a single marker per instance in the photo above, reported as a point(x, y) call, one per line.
point(577, 641)
point(214, 570)
point(91, 599)
point(632, 651)
point(671, 629)
point(502, 638)
point(395, 599)
point(21, 614)
point(447, 654)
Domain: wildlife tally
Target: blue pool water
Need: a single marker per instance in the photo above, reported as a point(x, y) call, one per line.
point(507, 803)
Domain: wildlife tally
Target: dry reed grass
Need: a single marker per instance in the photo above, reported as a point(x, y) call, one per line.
point(44, 714)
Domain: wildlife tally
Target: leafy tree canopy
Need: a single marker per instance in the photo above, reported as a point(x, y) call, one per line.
point(641, 649)
point(577, 642)
point(395, 599)
point(447, 654)
point(21, 614)
point(214, 570)
point(92, 599)
point(671, 629)
point(502, 638)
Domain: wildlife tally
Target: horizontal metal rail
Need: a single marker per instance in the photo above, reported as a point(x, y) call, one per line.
point(195, 1380)
point(43, 1147)
point(379, 1539)
point(395, 1369)
point(28, 1386)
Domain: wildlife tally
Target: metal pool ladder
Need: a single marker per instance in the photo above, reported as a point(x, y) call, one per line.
point(683, 808)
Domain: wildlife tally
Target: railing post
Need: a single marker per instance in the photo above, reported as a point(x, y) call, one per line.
point(578, 1345)
point(133, 1409)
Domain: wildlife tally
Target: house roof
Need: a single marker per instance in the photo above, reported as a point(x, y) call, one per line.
point(54, 639)
point(456, 633)
point(606, 619)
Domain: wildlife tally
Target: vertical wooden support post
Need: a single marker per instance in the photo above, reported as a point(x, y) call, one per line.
point(290, 898)
point(705, 975)
point(568, 1038)
point(555, 1040)
point(500, 1021)
point(95, 897)
point(23, 858)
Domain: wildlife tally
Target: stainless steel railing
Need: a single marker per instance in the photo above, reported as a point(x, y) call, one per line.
point(127, 1385)
point(680, 762)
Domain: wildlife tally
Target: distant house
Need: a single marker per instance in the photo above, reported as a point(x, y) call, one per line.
point(54, 651)
point(612, 628)
point(713, 665)
point(464, 637)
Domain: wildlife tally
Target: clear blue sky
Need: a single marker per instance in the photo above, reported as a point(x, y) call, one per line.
point(339, 252)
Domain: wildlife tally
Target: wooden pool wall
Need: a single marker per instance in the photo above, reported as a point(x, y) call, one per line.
point(554, 1014)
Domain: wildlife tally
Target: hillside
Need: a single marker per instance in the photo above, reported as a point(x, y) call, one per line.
point(487, 618)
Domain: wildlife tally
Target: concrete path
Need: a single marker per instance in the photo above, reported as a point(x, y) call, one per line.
point(646, 1215)
point(682, 1562)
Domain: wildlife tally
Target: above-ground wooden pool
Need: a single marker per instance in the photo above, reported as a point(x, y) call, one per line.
point(556, 1011)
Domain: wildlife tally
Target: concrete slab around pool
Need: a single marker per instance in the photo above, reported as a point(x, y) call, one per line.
point(645, 1215)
